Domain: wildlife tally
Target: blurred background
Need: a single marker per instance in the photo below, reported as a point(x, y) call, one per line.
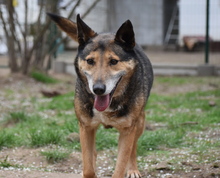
point(180, 36)
point(38, 126)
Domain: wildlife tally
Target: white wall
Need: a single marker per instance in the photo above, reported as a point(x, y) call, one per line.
point(145, 15)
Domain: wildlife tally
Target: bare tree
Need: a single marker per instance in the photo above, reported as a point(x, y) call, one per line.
point(22, 56)
point(9, 29)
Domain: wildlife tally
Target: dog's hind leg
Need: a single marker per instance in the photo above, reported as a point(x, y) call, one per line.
point(132, 164)
point(125, 145)
point(87, 139)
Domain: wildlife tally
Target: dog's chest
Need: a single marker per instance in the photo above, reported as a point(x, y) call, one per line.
point(102, 118)
point(109, 119)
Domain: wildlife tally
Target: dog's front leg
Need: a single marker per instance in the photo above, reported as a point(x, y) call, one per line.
point(125, 146)
point(87, 140)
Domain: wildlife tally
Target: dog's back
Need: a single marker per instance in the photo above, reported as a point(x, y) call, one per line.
point(143, 77)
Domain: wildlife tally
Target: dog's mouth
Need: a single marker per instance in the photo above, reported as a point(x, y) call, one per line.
point(103, 101)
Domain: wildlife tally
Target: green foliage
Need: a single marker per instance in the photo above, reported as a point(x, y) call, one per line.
point(106, 138)
point(41, 77)
point(15, 117)
point(7, 139)
point(6, 164)
point(54, 156)
point(159, 139)
point(62, 102)
point(46, 136)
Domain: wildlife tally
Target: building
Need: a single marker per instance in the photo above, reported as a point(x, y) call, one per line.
point(156, 22)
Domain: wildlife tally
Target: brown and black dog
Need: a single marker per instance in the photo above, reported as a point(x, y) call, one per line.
point(114, 82)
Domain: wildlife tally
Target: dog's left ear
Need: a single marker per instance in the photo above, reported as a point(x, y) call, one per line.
point(125, 35)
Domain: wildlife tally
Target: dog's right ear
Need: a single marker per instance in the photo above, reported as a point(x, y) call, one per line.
point(79, 31)
point(66, 25)
point(84, 31)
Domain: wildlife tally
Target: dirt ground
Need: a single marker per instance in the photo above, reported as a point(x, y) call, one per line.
point(36, 166)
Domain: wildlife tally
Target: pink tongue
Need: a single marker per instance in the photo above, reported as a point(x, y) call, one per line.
point(102, 102)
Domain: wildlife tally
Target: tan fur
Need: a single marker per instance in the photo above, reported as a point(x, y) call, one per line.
point(69, 27)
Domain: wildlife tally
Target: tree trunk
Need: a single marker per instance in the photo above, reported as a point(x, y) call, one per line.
point(26, 57)
point(26, 64)
point(11, 39)
point(12, 62)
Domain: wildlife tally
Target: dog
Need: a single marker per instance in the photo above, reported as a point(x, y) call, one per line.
point(114, 79)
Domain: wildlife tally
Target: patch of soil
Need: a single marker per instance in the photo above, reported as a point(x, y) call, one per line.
point(28, 173)
point(30, 163)
point(32, 159)
point(167, 89)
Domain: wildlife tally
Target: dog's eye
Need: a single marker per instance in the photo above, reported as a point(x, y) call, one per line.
point(90, 61)
point(113, 62)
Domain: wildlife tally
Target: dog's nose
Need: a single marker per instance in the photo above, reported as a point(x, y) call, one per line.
point(99, 88)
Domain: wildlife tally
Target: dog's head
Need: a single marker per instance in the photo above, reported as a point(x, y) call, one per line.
point(105, 60)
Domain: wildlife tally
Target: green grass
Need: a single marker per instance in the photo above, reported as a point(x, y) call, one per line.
point(7, 139)
point(160, 139)
point(106, 139)
point(46, 136)
point(41, 77)
point(37, 131)
point(54, 156)
point(6, 164)
point(15, 117)
point(181, 115)
point(60, 103)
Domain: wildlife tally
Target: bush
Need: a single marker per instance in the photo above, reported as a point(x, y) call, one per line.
point(41, 77)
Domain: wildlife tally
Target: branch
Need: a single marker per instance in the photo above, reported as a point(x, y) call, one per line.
point(18, 24)
point(40, 36)
point(73, 9)
point(6, 31)
point(4, 24)
point(43, 30)
point(11, 14)
point(90, 9)
point(11, 11)
point(25, 28)
point(39, 15)
point(67, 4)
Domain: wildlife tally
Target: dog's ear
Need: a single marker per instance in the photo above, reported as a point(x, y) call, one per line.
point(84, 31)
point(125, 35)
point(66, 25)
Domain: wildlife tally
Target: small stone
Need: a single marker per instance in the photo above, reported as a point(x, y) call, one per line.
point(215, 165)
point(73, 137)
point(162, 166)
point(186, 163)
point(212, 103)
point(195, 168)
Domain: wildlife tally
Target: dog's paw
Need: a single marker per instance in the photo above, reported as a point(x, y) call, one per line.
point(88, 176)
point(133, 174)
